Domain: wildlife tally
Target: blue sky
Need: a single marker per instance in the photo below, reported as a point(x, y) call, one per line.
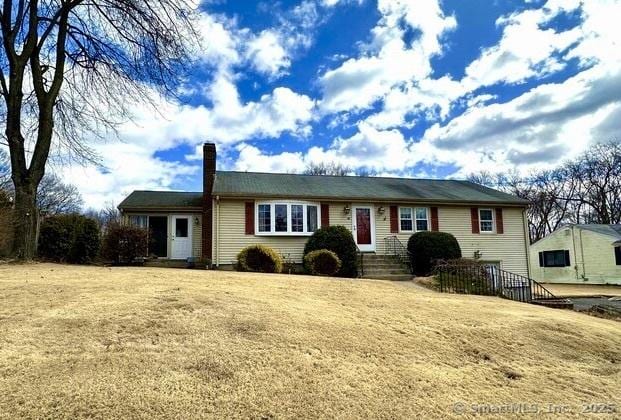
point(409, 88)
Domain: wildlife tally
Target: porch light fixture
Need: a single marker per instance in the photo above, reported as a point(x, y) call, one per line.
point(346, 209)
point(196, 221)
point(381, 210)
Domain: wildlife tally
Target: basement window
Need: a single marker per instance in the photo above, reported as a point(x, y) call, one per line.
point(557, 258)
point(282, 218)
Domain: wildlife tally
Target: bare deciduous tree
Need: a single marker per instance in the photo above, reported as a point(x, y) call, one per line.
point(327, 168)
point(584, 190)
point(5, 171)
point(598, 176)
point(66, 70)
point(105, 217)
point(56, 197)
point(53, 195)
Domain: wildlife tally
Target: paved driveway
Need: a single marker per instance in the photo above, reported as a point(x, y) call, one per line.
point(567, 290)
point(586, 303)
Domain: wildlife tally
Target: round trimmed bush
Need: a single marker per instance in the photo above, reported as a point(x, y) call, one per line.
point(339, 240)
point(322, 262)
point(259, 258)
point(69, 238)
point(427, 247)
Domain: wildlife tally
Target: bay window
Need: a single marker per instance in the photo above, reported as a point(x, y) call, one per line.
point(287, 218)
point(265, 218)
point(413, 219)
point(280, 221)
point(297, 218)
point(311, 218)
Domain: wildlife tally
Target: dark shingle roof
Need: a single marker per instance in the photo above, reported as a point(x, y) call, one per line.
point(162, 199)
point(252, 184)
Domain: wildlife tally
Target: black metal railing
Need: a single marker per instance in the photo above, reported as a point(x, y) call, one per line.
point(360, 262)
point(490, 280)
point(393, 246)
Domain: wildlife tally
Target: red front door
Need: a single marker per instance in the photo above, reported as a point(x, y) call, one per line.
point(363, 226)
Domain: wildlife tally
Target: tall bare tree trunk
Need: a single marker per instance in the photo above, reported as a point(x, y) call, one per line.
point(111, 44)
point(25, 218)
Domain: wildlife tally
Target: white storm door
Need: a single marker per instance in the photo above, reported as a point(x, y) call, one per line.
point(181, 246)
point(363, 226)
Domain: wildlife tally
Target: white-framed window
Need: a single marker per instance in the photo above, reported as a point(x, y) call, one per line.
point(486, 221)
point(422, 221)
point(139, 220)
point(413, 219)
point(264, 218)
point(405, 219)
point(287, 218)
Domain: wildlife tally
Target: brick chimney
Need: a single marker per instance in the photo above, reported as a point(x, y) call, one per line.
point(209, 175)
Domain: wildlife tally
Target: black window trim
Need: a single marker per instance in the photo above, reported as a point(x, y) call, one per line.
point(566, 258)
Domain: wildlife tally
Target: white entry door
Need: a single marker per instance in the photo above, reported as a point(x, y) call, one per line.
point(363, 225)
point(181, 237)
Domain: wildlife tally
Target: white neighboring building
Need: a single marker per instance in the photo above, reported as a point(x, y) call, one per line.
point(589, 254)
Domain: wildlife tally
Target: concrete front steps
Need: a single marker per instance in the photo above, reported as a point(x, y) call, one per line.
point(384, 267)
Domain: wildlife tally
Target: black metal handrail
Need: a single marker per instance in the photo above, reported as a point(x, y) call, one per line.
point(361, 260)
point(490, 280)
point(393, 246)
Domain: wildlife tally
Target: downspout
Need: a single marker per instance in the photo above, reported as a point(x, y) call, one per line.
point(584, 277)
point(526, 242)
point(217, 231)
point(573, 240)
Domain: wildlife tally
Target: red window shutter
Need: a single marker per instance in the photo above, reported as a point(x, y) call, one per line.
point(325, 215)
point(434, 219)
point(250, 218)
point(474, 219)
point(394, 219)
point(500, 228)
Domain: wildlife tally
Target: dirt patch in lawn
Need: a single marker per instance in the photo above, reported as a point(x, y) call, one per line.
point(164, 343)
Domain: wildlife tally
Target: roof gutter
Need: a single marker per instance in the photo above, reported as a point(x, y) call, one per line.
point(161, 209)
point(382, 200)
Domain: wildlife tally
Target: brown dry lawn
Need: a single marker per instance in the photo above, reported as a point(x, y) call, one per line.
point(94, 342)
point(583, 289)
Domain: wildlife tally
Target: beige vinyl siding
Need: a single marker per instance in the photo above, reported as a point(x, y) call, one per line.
point(382, 229)
point(591, 256)
point(509, 248)
point(382, 220)
point(338, 216)
point(231, 236)
point(560, 240)
point(599, 257)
